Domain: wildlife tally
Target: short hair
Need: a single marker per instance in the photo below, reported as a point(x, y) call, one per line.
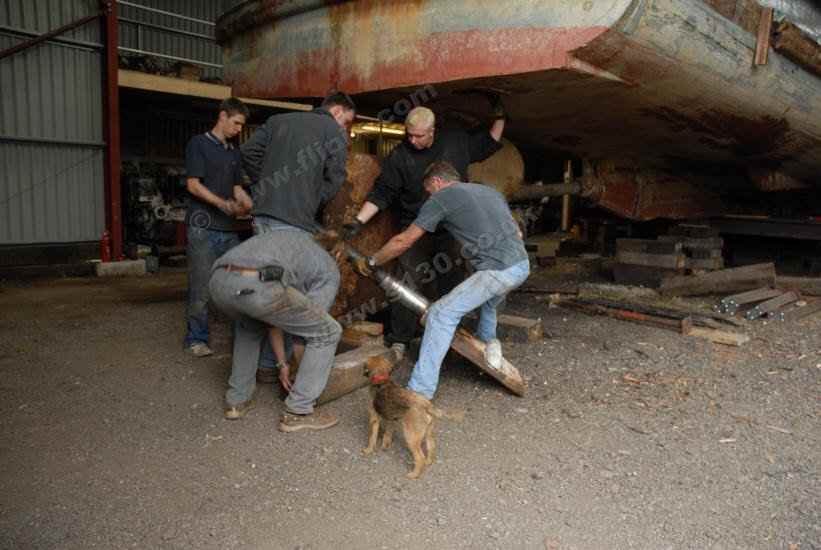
point(443, 170)
point(338, 98)
point(420, 117)
point(233, 106)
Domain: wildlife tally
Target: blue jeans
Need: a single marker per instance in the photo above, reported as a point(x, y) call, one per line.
point(485, 289)
point(204, 247)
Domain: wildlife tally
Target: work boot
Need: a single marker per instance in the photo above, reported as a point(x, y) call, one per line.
point(200, 349)
point(314, 421)
point(493, 353)
point(235, 412)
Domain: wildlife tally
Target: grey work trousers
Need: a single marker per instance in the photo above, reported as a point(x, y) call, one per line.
point(256, 306)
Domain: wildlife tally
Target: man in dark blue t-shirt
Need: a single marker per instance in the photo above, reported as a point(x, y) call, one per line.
point(479, 218)
point(214, 181)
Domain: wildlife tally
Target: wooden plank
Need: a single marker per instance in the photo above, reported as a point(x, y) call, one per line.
point(473, 349)
point(791, 42)
point(179, 86)
point(692, 243)
point(648, 246)
point(799, 313)
point(706, 263)
point(808, 286)
point(720, 282)
point(762, 46)
point(717, 336)
point(669, 261)
point(348, 371)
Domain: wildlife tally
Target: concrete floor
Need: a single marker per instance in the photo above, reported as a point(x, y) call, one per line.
point(629, 437)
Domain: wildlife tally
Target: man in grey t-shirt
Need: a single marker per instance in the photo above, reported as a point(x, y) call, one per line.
point(480, 219)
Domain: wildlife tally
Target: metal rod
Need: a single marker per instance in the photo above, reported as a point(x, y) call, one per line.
point(52, 141)
point(168, 13)
point(91, 46)
point(172, 57)
point(111, 130)
point(170, 30)
point(50, 34)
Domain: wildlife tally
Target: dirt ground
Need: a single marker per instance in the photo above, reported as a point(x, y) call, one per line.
point(629, 437)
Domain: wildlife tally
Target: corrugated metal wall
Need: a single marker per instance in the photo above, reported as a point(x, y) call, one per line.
point(153, 32)
point(51, 149)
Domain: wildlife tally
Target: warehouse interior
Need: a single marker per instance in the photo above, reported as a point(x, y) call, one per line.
point(662, 360)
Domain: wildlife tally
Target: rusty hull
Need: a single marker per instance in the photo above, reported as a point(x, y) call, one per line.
point(655, 83)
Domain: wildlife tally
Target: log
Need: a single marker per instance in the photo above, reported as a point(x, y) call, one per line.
point(348, 371)
point(717, 282)
point(473, 349)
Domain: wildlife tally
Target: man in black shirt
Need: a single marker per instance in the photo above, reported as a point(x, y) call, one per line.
point(401, 181)
point(213, 179)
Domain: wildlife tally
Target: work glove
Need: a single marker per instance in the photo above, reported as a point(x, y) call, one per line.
point(351, 229)
point(362, 265)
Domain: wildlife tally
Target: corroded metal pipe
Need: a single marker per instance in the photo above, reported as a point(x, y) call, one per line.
point(406, 296)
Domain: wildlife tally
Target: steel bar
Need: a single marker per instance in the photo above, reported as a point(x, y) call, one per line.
point(111, 130)
point(51, 141)
point(171, 57)
point(80, 44)
point(50, 34)
point(167, 13)
point(771, 305)
point(163, 28)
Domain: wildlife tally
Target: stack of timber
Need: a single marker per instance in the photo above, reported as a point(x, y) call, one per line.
point(649, 262)
point(772, 303)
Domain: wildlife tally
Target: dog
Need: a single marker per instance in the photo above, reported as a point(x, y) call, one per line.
point(396, 405)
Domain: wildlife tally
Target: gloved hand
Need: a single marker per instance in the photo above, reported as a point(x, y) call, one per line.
point(351, 229)
point(362, 266)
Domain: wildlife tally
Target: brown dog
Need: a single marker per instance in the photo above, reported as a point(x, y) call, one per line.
point(396, 405)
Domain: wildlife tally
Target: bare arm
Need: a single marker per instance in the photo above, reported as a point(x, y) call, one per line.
point(196, 188)
point(243, 201)
point(398, 244)
point(497, 128)
point(367, 212)
point(277, 339)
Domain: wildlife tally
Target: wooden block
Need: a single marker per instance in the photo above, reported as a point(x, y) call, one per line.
point(348, 371)
point(762, 46)
point(669, 261)
point(520, 329)
point(692, 243)
point(809, 286)
point(360, 333)
point(709, 264)
point(717, 336)
point(647, 246)
point(473, 349)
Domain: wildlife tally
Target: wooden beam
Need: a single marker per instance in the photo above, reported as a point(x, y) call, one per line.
point(762, 46)
point(348, 371)
point(723, 281)
point(473, 349)
point(717, 336)
point(181, 86)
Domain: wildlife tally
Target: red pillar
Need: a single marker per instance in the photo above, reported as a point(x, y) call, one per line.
point(111, 130)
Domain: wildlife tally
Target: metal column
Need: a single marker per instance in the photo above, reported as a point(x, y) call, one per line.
point(111, 131)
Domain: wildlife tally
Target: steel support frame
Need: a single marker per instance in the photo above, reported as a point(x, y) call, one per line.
point(111, 129)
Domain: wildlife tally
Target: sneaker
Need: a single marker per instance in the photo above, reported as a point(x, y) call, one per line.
point(493, 354)
point(398, 349)
point(314, 421)
point(266, 376)
point(200, 349)
point(235, 412)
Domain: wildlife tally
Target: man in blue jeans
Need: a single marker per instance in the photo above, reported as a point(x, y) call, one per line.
point(213, 179)
point(479, 218)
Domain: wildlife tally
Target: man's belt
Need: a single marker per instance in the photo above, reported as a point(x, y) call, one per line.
point(265, 274)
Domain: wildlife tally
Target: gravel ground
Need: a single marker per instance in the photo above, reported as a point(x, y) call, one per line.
point(629, 437)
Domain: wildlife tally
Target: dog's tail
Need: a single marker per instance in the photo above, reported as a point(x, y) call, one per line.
point(457, 415)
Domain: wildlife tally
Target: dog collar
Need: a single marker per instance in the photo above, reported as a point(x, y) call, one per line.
point(380, 378)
